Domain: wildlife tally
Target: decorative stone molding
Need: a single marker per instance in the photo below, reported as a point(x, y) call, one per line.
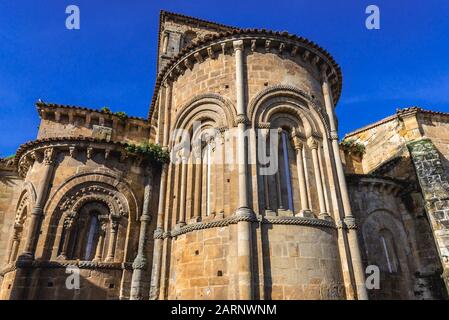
point(286, 92)
point(74, 201)
point(347, 223)
point(312, 55)
point(241, 118)
point(312, 222)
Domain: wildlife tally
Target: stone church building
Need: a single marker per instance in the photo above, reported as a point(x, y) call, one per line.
point(95, 197)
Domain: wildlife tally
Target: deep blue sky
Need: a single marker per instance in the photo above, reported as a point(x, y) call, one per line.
point(110, 61)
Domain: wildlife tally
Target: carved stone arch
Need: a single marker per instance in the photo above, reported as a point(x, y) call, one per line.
point(217, 108)
point(53, 211)
point(284, 95)
point(107, 178)
point(380, 219)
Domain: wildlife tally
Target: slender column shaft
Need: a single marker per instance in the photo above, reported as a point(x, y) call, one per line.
point(198, 188)
point(65, 244)
point(278, 174)
point(12, 254)
point(167, 111)
point(157, 251)
point(301, 177)
point(112, 241)
point(100, 245)
point(313, 144)
point(182, 199)
point(354, 247)
point(243, 227)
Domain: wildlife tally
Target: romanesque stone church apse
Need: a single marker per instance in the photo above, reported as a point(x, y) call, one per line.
point(189, 203)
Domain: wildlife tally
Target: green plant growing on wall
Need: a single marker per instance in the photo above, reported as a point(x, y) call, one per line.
point(154, 152)
point(352, 147)
point(122, 115)
point(106, 110)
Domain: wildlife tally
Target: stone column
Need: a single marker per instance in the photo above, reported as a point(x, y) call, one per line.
point(182, 198)
point(140, 262)
point(278, 174)
point(305, 210)
point(68, 225)
point(112, 239)
point(158, 238)
point(198, 181)
point(244, 211)
point(158, 241)
point(36, 213)
point(348, 220)
point(101, 237)
point(313, 145)
point(167, 111)
point(12, 254)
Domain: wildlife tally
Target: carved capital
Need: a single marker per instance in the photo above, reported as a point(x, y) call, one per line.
point(333, 136)
point(312, 143)
point(297, 143)
point(210, 53)
point(241, 118)
point(89, 152)
point(72, 151)
point(253, 45)
point(238, 45)
point(49, 156)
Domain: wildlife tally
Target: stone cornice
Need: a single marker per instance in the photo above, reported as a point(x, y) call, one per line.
point(43, 107)
point(380, 183)
point(28, 152)
point(270, 41)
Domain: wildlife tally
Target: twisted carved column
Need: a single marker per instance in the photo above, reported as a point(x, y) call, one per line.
point(140, 262)
point(36, 213)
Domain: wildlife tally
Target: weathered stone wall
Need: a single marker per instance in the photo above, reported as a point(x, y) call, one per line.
point(300, 262)
point(95, 172)
point(10, 185)
point(203, 265)
point(63, 121)
point(409, 265)
point(435, 126)
point(434, 183)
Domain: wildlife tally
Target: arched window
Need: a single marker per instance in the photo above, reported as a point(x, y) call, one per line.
point(84, 233)
point(92, 236)
point(390, 259)
point(286, 167)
